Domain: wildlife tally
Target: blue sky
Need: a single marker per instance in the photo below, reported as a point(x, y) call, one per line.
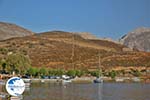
point(104, 18)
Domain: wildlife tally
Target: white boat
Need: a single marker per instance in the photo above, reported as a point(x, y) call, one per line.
point(66, 81)
point(65, 77)
point(119, 79)
point(136, 79)
point(42, 80)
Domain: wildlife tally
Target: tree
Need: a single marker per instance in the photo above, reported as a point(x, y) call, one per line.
point(112, 74)
point(59, 72)
point(17, 63)
point(79, 73)
point(33, 71)
point(71, 73)
point(42, 71)
point(96, 73)
point(55, 72)
point(2, 66)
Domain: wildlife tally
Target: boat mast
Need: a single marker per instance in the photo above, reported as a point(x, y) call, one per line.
point(72, 55)
point(99, 62)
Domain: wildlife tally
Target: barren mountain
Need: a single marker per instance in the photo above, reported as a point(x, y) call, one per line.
point(67, 50)
point(59, 49)
point(138, 39)
point(8, 31)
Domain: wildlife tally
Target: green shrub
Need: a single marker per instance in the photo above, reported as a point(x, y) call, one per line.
point(55, 72)
point(96, 73)
point(71, 73)
point(42, 71)
point(79, 73)
point(33, 71)
point(112, 74)
point(18, 63)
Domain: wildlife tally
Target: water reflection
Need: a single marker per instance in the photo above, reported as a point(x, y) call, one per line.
point(82, 92)
point(105, 91)
point(64, 92)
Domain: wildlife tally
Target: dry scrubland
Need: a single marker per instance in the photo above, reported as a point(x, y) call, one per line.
point(55, 50)
point(65, 50)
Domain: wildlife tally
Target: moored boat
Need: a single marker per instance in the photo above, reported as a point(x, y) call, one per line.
point(98, 80)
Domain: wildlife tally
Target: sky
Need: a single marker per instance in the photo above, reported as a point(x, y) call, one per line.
point(103, 18)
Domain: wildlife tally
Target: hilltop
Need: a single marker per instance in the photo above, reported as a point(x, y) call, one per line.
point(8, 30)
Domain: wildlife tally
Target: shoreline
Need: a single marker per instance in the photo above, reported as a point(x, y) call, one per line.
point(90, 80)
point(86, 79)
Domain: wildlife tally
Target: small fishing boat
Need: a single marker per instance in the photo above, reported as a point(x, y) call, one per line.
point(98, 80)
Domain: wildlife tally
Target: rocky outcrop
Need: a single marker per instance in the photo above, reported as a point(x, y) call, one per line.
point(138, 39)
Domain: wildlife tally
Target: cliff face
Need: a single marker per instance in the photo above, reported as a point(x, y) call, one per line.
point(138, 39)
point(8, 31)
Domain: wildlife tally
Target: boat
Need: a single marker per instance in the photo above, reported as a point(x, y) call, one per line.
point(98, 80)
point(42, 80)
point(119, 79)
point(66, 81)
point(136, 79)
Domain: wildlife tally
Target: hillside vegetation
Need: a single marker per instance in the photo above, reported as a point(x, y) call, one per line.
point(66, 50)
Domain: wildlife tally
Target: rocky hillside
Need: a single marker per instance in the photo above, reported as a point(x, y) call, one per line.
point(8, 31)
point(65, 50)
point(138, 39)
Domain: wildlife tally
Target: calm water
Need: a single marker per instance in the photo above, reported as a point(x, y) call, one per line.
point(105, 91)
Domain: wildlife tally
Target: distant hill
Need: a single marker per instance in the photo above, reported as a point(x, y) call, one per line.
point(58, 49)
point(8, 30)
point(67, 50)
point(138, 39)
point(86, 35)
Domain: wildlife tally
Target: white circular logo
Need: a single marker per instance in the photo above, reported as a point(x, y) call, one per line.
point(15, 86)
